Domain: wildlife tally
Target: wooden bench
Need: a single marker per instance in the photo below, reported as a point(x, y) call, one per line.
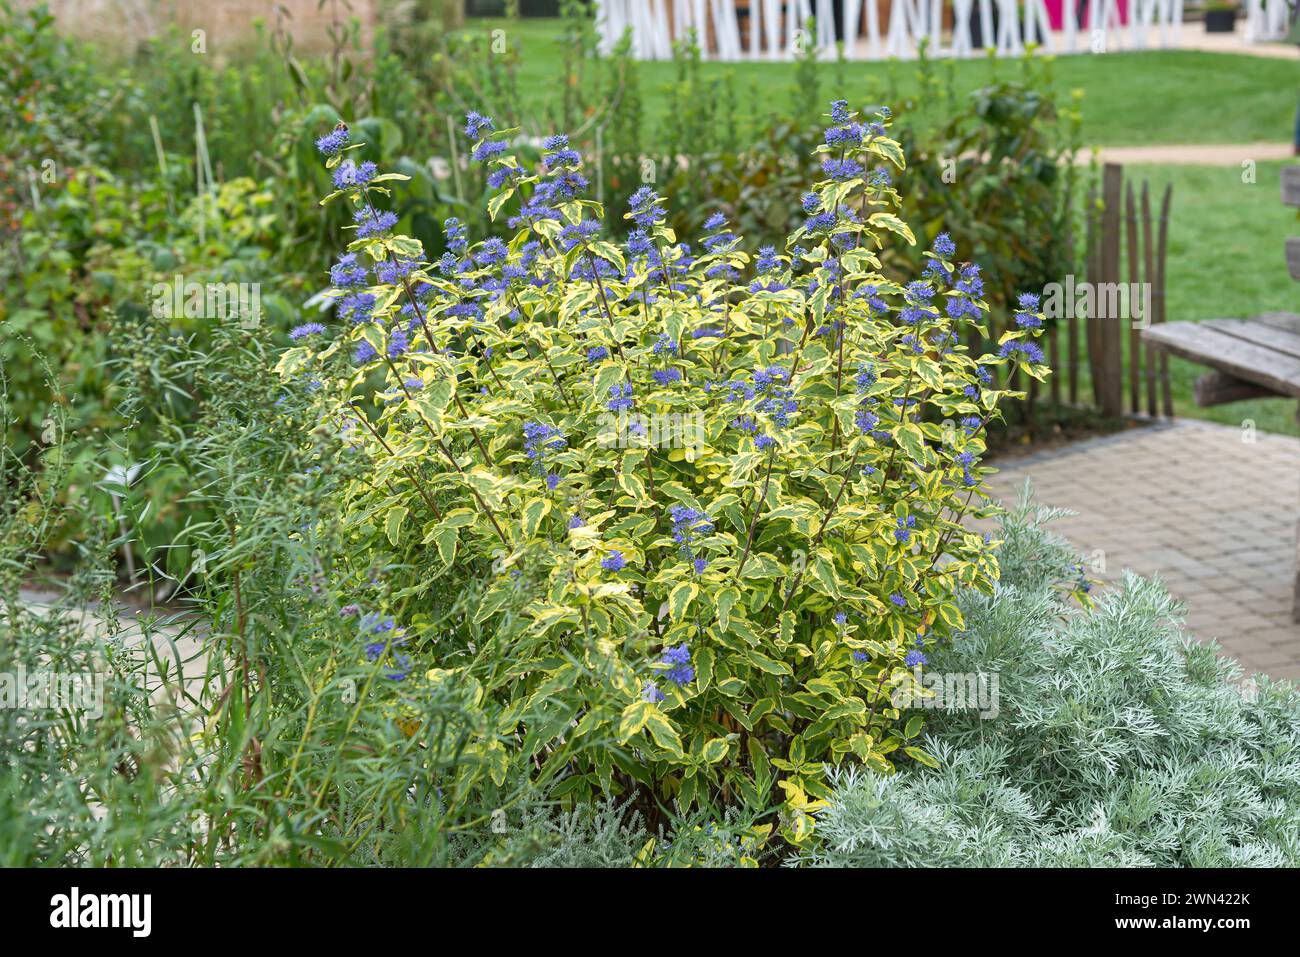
point(1248, 358)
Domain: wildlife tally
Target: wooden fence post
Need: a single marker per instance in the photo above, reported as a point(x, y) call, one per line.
point(1158, 297)
point(1111, 389)
point(1291, 197)
point(1134, 279)
point(1092, 273)
point(1149, 276)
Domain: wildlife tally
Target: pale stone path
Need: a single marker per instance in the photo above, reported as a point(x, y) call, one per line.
point(179, 655)
point(1204, 154)
point(1211, 509)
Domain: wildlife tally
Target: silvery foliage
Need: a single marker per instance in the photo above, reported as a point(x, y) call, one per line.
point(1120, 741)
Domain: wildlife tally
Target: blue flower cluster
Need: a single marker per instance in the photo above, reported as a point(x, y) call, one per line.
point(620, 397)
point(689, 525)
point(382, 638)
point(681, 672)
point(903, 531)
point(1022, 350)
point(333, 142)
point(539, 438)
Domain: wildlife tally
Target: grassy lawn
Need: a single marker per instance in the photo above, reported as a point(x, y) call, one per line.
point(1130, 98)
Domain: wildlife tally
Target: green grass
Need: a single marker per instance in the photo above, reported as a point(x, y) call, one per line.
point(1130, 98)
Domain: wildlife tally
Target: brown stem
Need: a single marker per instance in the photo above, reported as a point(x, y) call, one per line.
point(473, 491)
point(821, 530)
point(410, 473)
point(758, 507)
point(600, 287)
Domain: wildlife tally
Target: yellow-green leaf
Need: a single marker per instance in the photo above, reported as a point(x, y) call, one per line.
point(447, 545)
point(534, 512)
point(894, 225)
point(494, 600)
point(634, 719)
point(679, 600)
point(952, 617)
point(663, 732)
point(764, 663)
point(715, 750)
point(921, 757)
point(393, 524)
point(824, 572)
point(726, 600)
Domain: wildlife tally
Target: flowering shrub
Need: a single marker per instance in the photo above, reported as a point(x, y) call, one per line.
point(701, 512)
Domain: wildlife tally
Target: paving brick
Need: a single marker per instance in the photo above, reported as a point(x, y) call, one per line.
point(1213, 516)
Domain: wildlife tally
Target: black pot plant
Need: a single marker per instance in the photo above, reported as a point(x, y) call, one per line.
point(1220, 16)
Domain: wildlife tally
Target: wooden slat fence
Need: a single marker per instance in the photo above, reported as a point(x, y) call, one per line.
point(1124, 245)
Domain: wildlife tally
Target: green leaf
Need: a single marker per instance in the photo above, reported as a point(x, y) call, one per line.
point(760, 566)
point(921, 757)
point(703, 668)
point(914, 725)
point(731, 686)
point(894, 225)
point(823, 686)
point(679, 600)
point(951, 616)
point(663, 732)
point(912, 441)
point(726, 601)
point(824, 572)
point(610, 374)
point(634, 719)
point(846, 708)
point(787, 627)
point(764, 663)
point(459, 518)
point(534, 512)
point(393, 523)
point(496, 598)
point(447, 545)
point(633, 486)
point(891, 150)
point(499, 200)
point(438, 393)
point(715, 750)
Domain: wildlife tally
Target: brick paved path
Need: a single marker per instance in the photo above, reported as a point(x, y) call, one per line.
point(1211, 509)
